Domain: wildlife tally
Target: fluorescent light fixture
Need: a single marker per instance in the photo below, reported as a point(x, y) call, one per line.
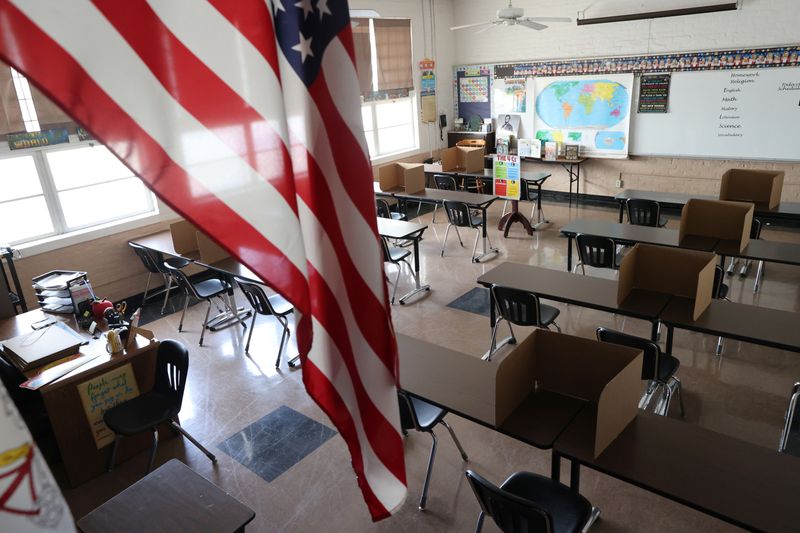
point(713, 8)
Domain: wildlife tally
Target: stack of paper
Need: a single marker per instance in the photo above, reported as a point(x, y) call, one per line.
point(40, 347)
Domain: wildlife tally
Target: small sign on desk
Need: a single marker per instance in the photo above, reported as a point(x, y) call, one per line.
point(506, 176)
point(100, 394)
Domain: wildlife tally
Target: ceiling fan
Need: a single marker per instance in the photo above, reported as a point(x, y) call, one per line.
point(511, 16)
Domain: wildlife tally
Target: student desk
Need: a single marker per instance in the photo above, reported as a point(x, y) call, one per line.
point(788, 211)
point(584, 291)
point(82, 460)
point(171, 498)
point(630, 234)
point(438, 196)
point(405, 231)
point(746, 485)
point(761, 250)
point(573, 168)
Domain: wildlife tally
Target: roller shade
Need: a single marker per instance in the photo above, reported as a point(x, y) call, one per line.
point(363, 54)
point(393, 46)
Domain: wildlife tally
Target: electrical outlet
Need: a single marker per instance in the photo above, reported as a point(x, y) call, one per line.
point(620, 183)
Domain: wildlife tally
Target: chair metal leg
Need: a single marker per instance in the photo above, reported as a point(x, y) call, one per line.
point(168, 287)
point(435, 208)
point(731, 266)
point(250, 335)
point(720, 346)
point(284, 338)
point(424, 499)
point(177, 427)
point(558, 328)
point(759, 275)
point(146, 287)
point(658, 332)
point(595, 514)
point(444, 241)
point(112, 460)
point(745, 268)
point(679, 390)
point(505, 206)
point(662, 407)
point(493, 343)
point(458, 234)
point(205, 321)
point(153, 449)
point(475, 246)
point(455, 439)
point(396, 281)
point(479, 525)
point(185, 305)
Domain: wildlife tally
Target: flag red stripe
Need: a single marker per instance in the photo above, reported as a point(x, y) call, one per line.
point(24, 45)
point(217, 106)
point(329, 400)
point(383, 438)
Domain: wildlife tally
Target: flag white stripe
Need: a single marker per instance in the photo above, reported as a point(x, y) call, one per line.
point(97, 46)
point(342, 85)
point(386, 487)
point(229, 55)
point(372, 372)
point(305, 123)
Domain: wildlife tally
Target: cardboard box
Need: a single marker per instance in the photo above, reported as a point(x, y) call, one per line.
point(728, 221)
point(762, 187)
point(210, 252)
point(605, 375)
point(460, 158)
point(408, 176)
point(675, 271)
point(184, 236)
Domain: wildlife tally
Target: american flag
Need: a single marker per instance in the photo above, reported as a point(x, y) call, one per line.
point(244, 117)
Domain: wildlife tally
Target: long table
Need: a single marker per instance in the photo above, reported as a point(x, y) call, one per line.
point(788, 211)
point(438, 196)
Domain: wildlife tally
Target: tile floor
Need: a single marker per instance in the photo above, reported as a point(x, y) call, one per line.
point(743, 394)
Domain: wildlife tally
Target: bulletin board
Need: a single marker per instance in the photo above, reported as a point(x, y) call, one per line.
point(473, 91)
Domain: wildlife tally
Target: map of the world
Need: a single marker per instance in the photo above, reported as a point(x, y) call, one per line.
point(597, 104)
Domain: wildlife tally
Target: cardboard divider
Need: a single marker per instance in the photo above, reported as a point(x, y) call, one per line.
point(728, 221)
point(407, 176)
point(462, 158)
point(210, 252)
point(762, 187)
point(184, 238)
point(674, 271)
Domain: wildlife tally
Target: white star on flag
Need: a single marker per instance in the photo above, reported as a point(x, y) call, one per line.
point(304, 47)
point(322, 6)
point(278, 6)
point(305, 5)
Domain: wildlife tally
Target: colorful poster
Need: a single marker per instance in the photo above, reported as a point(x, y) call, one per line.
point(507, 176)
point(473, 89)
point(510, 96)
point(35, 139)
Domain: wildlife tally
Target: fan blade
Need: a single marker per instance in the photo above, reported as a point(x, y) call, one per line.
point(487, 28)
point(547, 19)
point(532, 25)
point(454, 28)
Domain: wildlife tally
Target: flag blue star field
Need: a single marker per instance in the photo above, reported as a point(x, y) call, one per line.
point(244, 117)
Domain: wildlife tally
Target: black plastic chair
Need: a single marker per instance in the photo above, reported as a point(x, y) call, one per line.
point(275, 305)
point(755, 234)
point(597, 252)
point(643, 212)
point(160, 405)
point(789, 442)
point(459, 216)
point(719, 292)
point(520, 308)
point(658, 369)
point(530, 503)
point(385, 212)
point(443, 183)
point(398, 257)
point(422, 416)
point(153, 261)
point(204, 290)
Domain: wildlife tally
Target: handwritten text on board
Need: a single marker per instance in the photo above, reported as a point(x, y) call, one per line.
point(100, 394)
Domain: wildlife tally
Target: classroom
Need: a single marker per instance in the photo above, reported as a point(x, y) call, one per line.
point(570, 301)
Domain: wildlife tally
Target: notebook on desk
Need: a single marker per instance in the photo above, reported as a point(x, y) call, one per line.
point(40, 347)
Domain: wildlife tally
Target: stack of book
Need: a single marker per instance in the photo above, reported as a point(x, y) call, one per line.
point(40, 347)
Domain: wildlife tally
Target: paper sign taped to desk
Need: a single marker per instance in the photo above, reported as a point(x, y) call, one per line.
point(100, 394)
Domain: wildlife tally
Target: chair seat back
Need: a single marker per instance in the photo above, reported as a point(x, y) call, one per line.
point(256, 297)
point(755, 229)
point(151, 259)
point(651, 350)
point(518, 307)
point(599, 252)
point(511, 513)
point(643, 212)
point(444, 182)
point(383, 208)
point(458, 214)
point(172, 366)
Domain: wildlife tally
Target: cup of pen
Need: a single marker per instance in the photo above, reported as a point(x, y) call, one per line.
point(114, 344)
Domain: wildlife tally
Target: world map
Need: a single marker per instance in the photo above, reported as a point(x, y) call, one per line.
point(597, 104)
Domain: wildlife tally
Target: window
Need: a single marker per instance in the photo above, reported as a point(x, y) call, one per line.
point(388, 102)
point(58, 190)
point(25, 100)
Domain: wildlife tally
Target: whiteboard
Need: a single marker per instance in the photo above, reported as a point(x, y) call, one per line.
point(726, 114)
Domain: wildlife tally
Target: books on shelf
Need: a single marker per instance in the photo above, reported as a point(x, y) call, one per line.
point(40, 347)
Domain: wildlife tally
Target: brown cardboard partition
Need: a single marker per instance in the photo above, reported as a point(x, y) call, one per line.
point(184, 238)
point(728, 221)
point(210, 252)
point(762, 187)
point(462, 158)
point(408, 176)
point(675, 271)
point(604, 375)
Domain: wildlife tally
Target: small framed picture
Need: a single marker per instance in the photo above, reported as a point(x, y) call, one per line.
point(571, 151)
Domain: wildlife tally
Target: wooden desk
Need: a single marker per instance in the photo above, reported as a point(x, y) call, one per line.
point(410, 231)
point(172, 498)
point(82, 459)
point(748, 323)
point(585, 291)
point(746, 485)
point(787, 211)
point(630, 234)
